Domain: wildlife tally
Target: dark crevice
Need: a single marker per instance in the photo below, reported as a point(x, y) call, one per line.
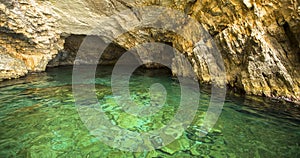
point(292, 40)
point(216, 33)
point(124, 4)
point(267, 79)
point(13, 34)
point(7, 30)
point(236, 89)
point(189, 7)
point(152, 72)
point(8, 3)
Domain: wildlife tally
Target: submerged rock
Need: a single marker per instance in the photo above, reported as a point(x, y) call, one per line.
point(181, 144)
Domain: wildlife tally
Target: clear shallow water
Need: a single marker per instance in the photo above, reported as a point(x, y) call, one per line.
point(38, 118)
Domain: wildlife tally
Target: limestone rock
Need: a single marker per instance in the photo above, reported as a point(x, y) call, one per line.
point(28, 34)
point(11, 67)
point(259, 40)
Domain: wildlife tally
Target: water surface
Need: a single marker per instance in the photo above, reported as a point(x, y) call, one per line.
point(38, 118)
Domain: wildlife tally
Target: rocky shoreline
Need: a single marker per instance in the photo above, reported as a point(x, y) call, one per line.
point(259, 41)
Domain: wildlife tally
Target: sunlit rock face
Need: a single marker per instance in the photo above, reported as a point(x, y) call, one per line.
point(28, 34)
point(11, 67)
point(259, 40)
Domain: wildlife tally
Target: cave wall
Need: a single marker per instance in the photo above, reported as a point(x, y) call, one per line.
point(29, 38)
point(259, 40)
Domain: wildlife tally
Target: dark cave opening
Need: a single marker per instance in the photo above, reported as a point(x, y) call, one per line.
point(73, 44)
point(111, 54)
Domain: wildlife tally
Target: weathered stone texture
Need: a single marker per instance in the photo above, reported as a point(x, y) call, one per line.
point(258, 40)
point(28, 33)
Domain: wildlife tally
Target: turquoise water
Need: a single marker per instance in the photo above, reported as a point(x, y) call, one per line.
point(38, 118)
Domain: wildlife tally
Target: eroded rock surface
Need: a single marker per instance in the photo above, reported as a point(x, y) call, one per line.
point(11, 67)
point(28, 34)
point(259, 40)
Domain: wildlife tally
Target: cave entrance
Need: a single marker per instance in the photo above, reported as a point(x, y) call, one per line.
point(112, 54)
point(72, 45)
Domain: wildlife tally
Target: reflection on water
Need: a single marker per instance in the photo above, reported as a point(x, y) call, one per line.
point(39, 119)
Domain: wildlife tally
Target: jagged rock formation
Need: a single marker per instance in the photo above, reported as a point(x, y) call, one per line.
point(259, 40)
point(28, 38)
